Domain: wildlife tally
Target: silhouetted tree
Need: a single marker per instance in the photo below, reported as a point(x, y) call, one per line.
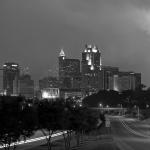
point(49, 114)
point(16, 123)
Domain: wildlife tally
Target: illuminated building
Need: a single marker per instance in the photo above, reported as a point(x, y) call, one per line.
point(129, 81)
point(26, 86)
point(91, 59)
point(50, 93)
point(10, 78)
point(69, 72)
point(115, 80)
point(110, 75)
point(91, 69)
point(114, 83)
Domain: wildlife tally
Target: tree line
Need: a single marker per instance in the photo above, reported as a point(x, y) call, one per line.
point(128, 98)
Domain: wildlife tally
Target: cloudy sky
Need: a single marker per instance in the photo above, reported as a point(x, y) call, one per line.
point(33, 31)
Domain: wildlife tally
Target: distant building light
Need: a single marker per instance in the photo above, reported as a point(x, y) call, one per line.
point(80, 105)
point(14, 65)
point(94, 50)
point(50, 93)
point(89, 62)
point(116, 88)
point(87, 57)
point(61, 53)
point(5, 92)
point(92, 67)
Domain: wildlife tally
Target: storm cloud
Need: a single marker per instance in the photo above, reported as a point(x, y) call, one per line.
point(33, 31)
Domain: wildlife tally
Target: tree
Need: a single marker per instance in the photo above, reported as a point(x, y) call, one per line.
point(83, 121)
point(14, 124)
point(49, 114)
point(66, 122)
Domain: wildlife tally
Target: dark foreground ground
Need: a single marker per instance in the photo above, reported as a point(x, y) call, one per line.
point(99, 139)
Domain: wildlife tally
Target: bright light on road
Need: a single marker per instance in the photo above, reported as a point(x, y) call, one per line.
point(35, 139)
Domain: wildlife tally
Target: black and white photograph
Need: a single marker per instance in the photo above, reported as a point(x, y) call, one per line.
point(74, 74)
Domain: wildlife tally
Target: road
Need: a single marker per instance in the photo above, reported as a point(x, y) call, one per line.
point(128, 135)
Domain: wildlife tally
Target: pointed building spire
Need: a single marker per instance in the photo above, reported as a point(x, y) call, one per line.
point(62, 54)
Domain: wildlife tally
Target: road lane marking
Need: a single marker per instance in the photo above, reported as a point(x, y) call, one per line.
point(133, 131)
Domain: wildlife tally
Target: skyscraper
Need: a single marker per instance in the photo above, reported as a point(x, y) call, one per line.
point(129, 81)
point(10, 78)
point(69, 71)
point(110, 77)
point(91, 67)
point(91, 59)
point(26, 86)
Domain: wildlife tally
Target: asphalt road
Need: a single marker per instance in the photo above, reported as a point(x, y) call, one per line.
point(127, 136)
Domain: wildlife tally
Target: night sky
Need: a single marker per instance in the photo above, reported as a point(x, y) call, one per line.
point(33, 31)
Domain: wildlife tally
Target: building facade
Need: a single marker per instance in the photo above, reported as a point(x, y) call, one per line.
point(129, 81)
point(109, 77)
point(69, 72)
point(91, 67)
point(26, 86)
point(10, 78)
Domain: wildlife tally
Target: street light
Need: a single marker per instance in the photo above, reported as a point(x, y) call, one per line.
point(100, 105)
point(147, 106)
point(107, 106)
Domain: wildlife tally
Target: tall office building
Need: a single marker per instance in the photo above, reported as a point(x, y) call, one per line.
point(10, 78)
point(91, 59)
point(69, 72)
point(110, 77)
point(26, 86)
point(129, 81)
point(91, 69)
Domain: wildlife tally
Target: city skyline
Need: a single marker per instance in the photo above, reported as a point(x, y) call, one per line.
point(96, 56)
point(32, 33)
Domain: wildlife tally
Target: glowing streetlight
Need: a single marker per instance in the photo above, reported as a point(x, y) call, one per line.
point(100, 105)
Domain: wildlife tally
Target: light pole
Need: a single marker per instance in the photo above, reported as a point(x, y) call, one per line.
point(138, 112)
point(101, 106)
